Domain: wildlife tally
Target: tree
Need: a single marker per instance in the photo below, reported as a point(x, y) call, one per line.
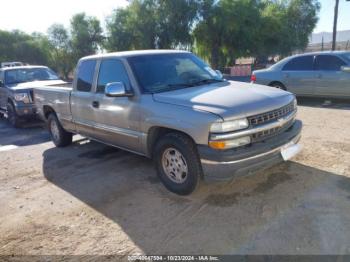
point(227, 29)
point(86, 35)
point(19, 46)
point(150, 24)
point(62, 57)
point(234, 28)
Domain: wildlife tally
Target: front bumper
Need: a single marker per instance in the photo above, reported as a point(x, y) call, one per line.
point(26, 110)
point(224, 165)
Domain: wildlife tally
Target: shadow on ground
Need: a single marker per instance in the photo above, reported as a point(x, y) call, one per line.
point(331, 103)
point(288, 209)
point(28, 134)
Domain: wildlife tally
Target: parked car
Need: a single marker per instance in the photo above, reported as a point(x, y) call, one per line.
point(11, 64)
point(322, 74)
point(172, 107)
point(16, 90)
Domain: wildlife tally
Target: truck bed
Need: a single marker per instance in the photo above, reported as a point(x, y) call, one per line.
point(55, 96)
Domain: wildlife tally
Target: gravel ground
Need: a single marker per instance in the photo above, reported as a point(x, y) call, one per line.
point(93, 199)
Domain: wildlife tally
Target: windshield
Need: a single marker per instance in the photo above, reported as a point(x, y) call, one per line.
point(347, 56)
point(16, 76)
point(165, 72)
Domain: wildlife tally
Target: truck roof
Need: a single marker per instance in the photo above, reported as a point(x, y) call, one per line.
point(21, 67)
point(135, 53)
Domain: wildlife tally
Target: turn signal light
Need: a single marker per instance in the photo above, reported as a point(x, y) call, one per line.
point(217, 144)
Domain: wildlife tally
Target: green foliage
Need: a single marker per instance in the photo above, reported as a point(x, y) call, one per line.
point(86, 35)
point(62, 57)
point(149, 24)
point(18, 46)
point(233, 28)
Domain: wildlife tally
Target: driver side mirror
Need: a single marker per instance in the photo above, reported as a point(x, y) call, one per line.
point(345, 69)
point(1, 83)
point(116, 89)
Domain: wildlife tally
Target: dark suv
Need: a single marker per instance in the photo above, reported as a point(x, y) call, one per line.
point(16, 90)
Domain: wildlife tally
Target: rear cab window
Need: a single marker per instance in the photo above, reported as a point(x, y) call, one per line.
point(85, 75)
point(301, 63)
point(328, 63)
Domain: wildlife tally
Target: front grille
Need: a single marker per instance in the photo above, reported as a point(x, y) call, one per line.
point(271, 116)
point(271, 132)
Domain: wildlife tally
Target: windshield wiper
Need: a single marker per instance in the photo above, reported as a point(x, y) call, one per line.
point(169, 87)
point(207, 81)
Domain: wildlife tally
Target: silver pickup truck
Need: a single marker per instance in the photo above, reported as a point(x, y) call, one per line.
point(172, 107)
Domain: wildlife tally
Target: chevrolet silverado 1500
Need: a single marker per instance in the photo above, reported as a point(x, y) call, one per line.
point(172, 107)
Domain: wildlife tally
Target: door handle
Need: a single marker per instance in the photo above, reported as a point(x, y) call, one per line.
point(95, 104)
point(319, 76)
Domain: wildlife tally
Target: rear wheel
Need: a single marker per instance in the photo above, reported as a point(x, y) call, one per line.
point(278, 85)
point(12, 116)
point(177, 162)
point(59, 136)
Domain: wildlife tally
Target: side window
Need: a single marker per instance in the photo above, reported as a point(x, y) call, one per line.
point(112, 70)
point(329, 63)
point(85, 75)
point(302, 63)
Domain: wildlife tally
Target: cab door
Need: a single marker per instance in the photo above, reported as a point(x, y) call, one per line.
point(116, 118)
point(82, 97)
point(331, 80)
point(299, 75)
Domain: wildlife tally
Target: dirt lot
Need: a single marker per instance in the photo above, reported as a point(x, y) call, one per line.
point(93, 199)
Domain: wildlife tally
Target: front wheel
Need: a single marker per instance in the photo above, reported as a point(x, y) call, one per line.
point(177, 162)
point(59, 136)
point(12, 116)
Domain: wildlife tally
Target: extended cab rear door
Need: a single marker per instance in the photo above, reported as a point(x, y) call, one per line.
point(82, 97)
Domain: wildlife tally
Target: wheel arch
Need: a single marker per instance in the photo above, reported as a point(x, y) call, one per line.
point(277, 82)
point(156, 132)
point(9, 100)
point(47, 110)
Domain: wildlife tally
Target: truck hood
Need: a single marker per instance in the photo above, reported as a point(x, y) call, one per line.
point(229, 100)
point(34, 84)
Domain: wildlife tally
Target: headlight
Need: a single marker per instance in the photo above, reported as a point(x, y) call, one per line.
point(22, 97)
point(295, 102)
point(226, 144)
point(229, 126)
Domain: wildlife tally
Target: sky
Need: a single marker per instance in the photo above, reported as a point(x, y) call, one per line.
point(38, 15)
point(326, 16)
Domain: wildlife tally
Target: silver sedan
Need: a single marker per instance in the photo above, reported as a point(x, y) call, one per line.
point(322, 74)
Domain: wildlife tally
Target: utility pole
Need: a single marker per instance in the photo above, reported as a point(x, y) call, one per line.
point(322, 46)
point(334, 42)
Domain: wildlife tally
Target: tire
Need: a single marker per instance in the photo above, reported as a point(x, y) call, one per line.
point(278, 85)
point(177, 163)
point(59, 136)
point(12, 116)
